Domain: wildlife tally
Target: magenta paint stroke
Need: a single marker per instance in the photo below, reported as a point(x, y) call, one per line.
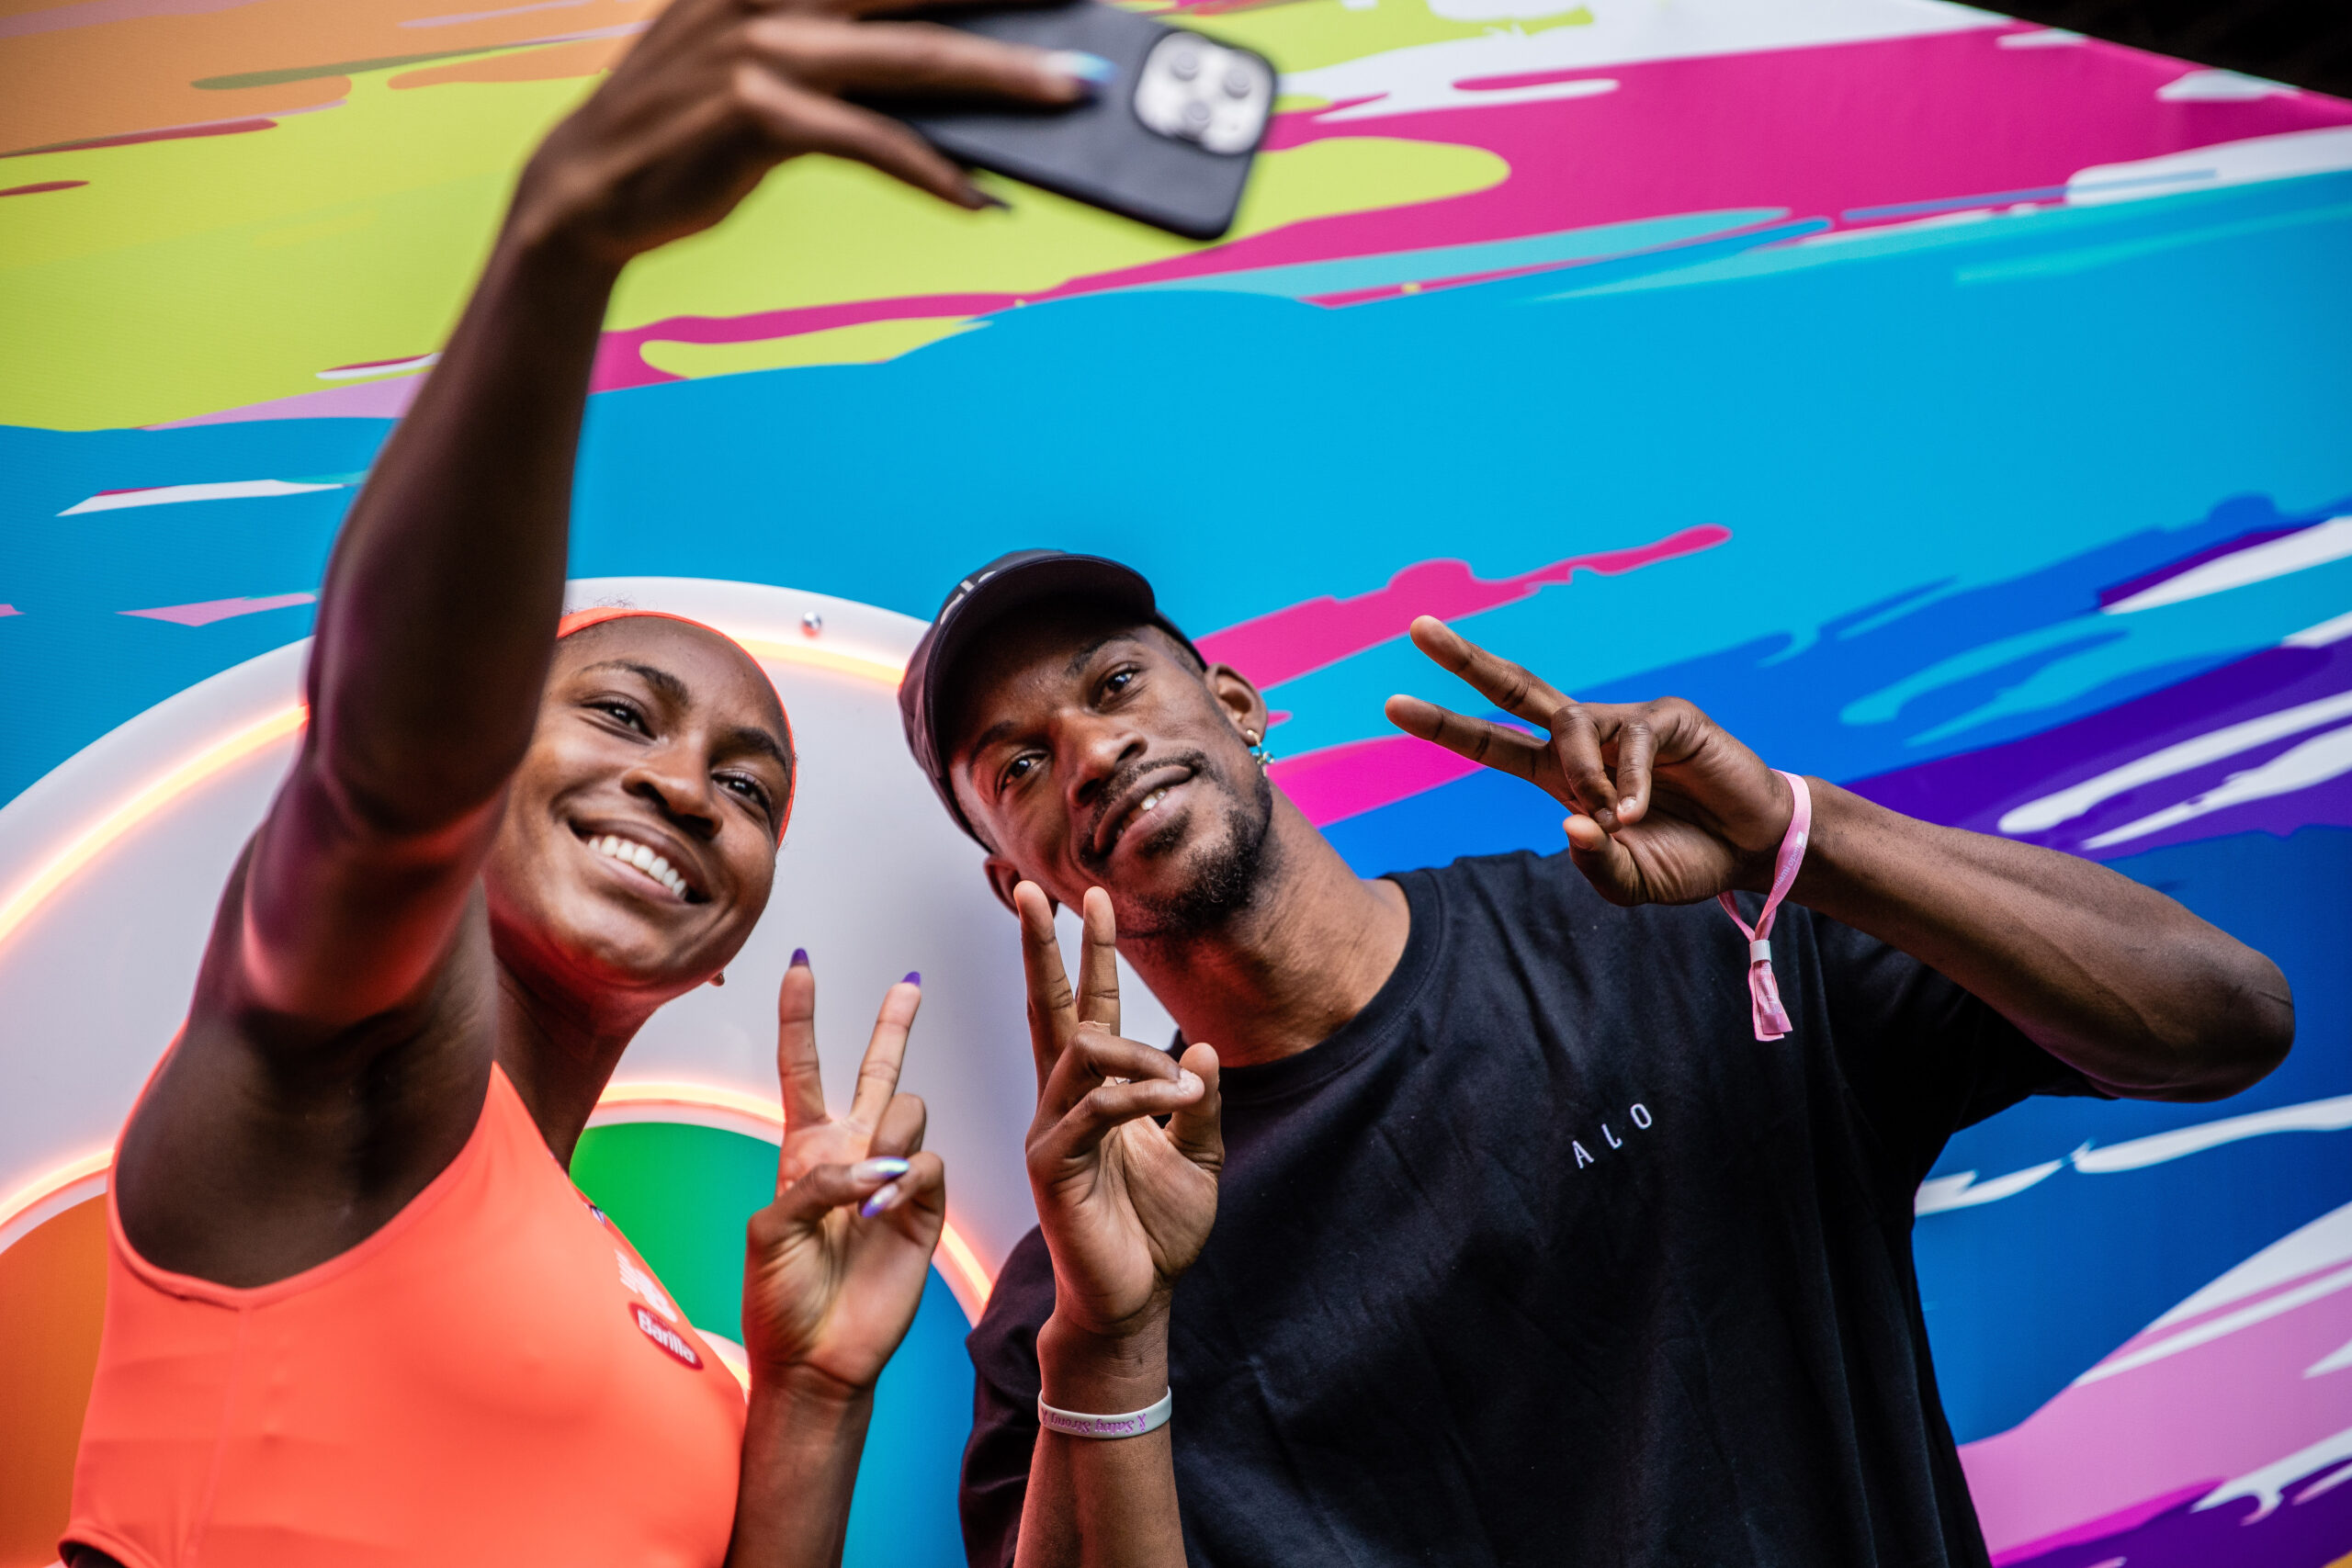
point(206, 612)
point(1339, 781)
point(2106, 1524)
point(1299, 638)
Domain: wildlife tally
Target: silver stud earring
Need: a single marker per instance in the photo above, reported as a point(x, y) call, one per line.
point(1257, 749)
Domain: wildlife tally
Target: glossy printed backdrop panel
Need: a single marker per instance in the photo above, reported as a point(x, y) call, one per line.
point(1953, 406)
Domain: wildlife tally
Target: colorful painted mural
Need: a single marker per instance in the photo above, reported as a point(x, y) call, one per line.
point(1955, 408)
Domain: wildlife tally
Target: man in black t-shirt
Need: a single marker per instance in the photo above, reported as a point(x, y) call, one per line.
point(1492, 1229)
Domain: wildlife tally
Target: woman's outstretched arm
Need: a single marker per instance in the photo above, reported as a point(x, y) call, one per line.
point(440, 604)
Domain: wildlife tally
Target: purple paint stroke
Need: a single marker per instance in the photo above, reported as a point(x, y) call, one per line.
point(1974, 789)
point(2312, 1534)
point(96, 13)
point(2147, 579)
point(2106, 1524)
point(210, 610)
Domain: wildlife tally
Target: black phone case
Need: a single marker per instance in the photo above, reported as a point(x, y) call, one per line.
point(1098, 153)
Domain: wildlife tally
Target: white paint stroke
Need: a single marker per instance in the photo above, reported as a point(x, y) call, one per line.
point(2312, 1116)
point(2335, 1361)
point(2265, 1485)
point(2334, 629)
point(2254, 158)
point(2220, 1327)
point(172, 495)
point(2039, 816)
point(2323, 1243)
point(2315, 762)
point(1622, 32)
point(390, 366)
point(2048, 38)
point(2298, 551)
point(2219, 87)
point(1939, 1193)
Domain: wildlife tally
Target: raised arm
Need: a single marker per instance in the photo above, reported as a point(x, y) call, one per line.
point(440, 603)
point(2123, 984)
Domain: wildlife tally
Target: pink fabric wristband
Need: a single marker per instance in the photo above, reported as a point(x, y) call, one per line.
point(1763, 991)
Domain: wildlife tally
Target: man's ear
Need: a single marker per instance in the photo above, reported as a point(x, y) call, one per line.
point(1239, 700)
point(1003, 878)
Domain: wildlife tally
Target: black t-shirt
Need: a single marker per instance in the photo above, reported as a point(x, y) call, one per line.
point(1543, 1258)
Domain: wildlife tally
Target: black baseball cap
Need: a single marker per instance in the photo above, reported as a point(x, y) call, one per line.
point(1008, 583)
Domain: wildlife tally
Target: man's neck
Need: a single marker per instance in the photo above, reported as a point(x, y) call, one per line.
point(1306, 955)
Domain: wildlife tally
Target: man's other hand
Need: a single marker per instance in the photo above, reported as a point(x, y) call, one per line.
point(1663, 806)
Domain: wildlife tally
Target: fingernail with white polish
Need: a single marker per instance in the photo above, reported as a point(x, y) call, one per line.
point(1091, 68)
point(885, 1198)
point(878, 1170)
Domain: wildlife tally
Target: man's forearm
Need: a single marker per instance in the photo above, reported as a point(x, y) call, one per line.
point(2114, 978)
point(802, 1438)
point(1100, 1503)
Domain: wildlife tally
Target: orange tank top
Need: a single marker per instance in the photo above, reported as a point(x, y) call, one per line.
point(494, 1377)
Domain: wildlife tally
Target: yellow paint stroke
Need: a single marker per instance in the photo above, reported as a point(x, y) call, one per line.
point(1314, 33)
point(868, 342)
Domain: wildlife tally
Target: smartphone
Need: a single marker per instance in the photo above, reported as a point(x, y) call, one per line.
point(1168, 138)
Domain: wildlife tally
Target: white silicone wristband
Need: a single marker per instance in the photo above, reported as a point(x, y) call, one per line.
point(1134, 1423)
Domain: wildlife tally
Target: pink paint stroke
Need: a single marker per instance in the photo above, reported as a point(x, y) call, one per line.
point(211, 610)
point(1339, 781)
point(620, 361)
point(387, 398)
point(1306, 636)
point(8, 609)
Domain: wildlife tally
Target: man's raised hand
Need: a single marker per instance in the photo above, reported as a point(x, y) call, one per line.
point(837, 1264)
point(1125, 1202)
point(1663, 806)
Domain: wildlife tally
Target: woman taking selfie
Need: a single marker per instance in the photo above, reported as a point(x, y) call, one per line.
point(356, 1312)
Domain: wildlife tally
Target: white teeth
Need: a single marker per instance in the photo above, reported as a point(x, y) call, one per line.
point(1154, 798)
point(613, 846)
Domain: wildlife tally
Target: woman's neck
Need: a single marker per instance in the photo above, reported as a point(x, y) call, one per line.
point(559, 1055)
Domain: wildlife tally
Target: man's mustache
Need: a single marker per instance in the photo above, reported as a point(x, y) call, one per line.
point(1115, 789)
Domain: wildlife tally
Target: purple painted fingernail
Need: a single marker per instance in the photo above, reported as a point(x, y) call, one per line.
point(881, 1168)
point(885, 1198)
point(914, 977)
point(800, 958)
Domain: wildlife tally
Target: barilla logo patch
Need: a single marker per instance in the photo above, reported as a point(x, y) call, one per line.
point(661, 1333)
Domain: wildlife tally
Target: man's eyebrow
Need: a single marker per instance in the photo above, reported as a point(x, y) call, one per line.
point(1086, 650)
point(661, 680)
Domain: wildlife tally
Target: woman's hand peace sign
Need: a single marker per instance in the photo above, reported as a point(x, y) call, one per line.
point(836, 1265)
point(1665, 807)
point(1126, 1203)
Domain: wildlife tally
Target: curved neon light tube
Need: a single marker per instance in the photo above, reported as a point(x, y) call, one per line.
point(86, 845)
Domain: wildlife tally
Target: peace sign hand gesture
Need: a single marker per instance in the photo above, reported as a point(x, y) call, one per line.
point(1126, 1203)
point(836, 1265)
point(1665, 807)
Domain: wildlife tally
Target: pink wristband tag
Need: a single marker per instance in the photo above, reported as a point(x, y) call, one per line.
point(1763, 991)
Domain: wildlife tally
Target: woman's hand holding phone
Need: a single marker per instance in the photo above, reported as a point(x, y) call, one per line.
point(718, 92)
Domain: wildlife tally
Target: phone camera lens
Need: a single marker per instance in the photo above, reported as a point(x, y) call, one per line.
point(1185, 65)
point(1196, 113)
point(1237, 83)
